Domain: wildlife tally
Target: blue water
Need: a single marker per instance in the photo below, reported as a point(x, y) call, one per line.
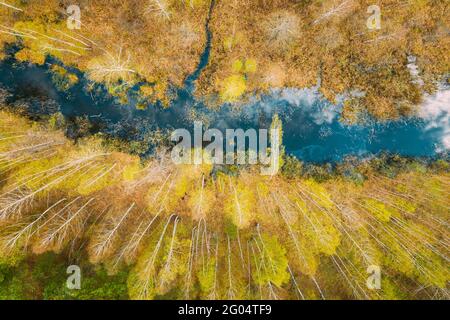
point(312, 130)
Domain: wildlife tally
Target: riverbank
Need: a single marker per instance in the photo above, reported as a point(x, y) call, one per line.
point(314, 130)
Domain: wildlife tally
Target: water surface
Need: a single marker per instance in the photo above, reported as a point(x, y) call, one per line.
point(312, 130)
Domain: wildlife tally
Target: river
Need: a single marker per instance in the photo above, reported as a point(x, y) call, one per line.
point(312, 129)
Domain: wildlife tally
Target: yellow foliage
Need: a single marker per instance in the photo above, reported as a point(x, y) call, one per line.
point(240, 205)
point(237, 66)
point(250, 66)
point(378, 209)
point(233, 88)
point(25, 55)
point(131, 171)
